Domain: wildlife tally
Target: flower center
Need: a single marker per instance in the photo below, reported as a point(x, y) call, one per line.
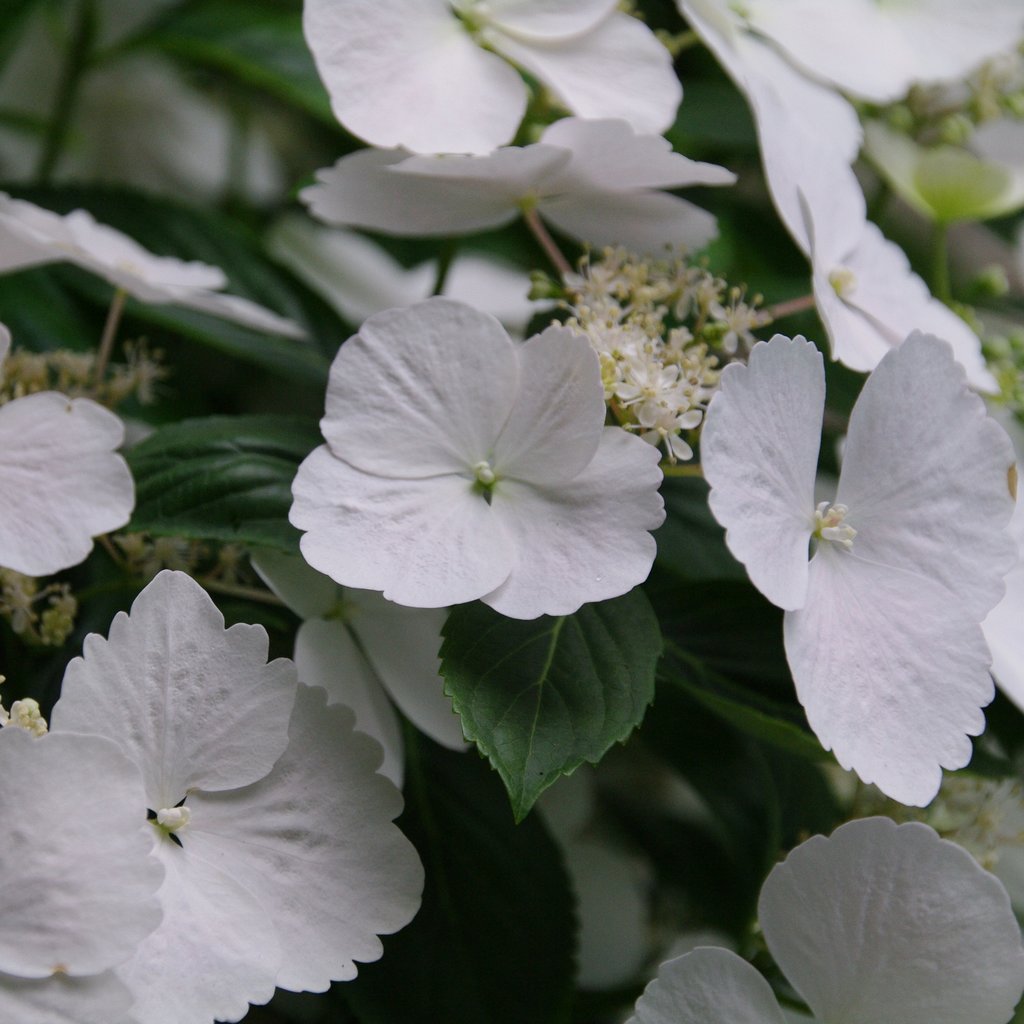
point(485, 478)
point(829, 525)
point(844, 281)
point(171, 819)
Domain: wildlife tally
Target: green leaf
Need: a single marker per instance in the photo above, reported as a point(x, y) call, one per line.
point(772, 722)
point(542, 696)
point(260, 45)
point(225, 478)
point(493, 942)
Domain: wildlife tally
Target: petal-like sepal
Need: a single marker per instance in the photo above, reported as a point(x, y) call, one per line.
point(881, 922)
point(759, 450)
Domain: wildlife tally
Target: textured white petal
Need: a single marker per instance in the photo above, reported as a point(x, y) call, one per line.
point(308, 593)
point(431, 195)
point(882, 922)
point(356, 276)
point(891, 670)
point(759, 450)
point(62, 481)
point(1004, 626)
point(376, 647)
point(882, 302)
point(707, 986)
point(426, 543)
point(585, 540)
point(402, 645)
point(554, 427)
point(315, 840)
point(877, 51)
point(647, 222)
point(239, 310)
point(619, 69)
point(406, 73)
point(808, 134)
point(421, 391)
point(216, 951)
point(924, 476)
point(609, 155)
point(495, 287)
point(78, 238)
point(546, 20)
point(326, 655)
point(5, 343)
point(168, 666)
point(77, 882)
point(95, 999)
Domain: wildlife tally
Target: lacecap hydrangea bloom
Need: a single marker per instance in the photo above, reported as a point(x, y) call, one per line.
point(267, 813)
point(61, 480)
point(433, 75)
point(878, 922)
point(596, 181)
point(882, 626)
point(460, 465)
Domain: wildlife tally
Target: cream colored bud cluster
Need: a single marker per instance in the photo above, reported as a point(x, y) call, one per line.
point(661, 329)
point(24, 714)
point(949, 113)
point(73, 374)
point(39, 615)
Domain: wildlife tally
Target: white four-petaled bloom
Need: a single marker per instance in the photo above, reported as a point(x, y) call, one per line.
point(366, 653)
point(598, 181)
point(427, 75)
point(878, 922)
point(61, 480)
point(31, 236)
point(282, 862)
point(460, 465)
point(78, 883)
point(882, 626)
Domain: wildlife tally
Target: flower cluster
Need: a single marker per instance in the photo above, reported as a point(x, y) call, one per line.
point(661, 329)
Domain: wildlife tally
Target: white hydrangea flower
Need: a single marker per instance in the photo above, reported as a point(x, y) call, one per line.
point(61, 480)
point(429, 75)
point(78, 883)
point(597, 181)
point(275, 831)
point(460, 465)
point(877, 51)
point(367, 652)
point(31, 236)
point(882, 626)
point(878, 922)
point(867, 295)
point(359, 278)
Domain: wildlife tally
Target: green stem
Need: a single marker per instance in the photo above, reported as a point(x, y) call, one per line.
point(445, 258)
point(77, 56)
point(940, 263)
point(682, 469)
